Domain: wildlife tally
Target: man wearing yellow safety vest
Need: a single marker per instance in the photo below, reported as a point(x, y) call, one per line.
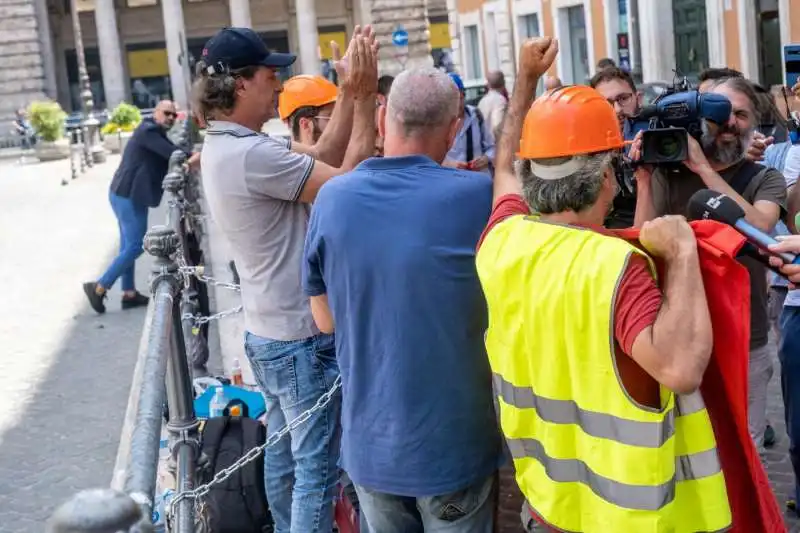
point(595, 367)
point(306, 104)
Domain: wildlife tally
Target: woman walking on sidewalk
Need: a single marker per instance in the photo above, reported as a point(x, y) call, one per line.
point(135, 188)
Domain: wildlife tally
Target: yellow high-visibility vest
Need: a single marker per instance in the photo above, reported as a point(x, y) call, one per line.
point(588, 457)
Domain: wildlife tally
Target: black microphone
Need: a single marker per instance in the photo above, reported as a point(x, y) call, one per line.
point(751, 251)
point(710, 205)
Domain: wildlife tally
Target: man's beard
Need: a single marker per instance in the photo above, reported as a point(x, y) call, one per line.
point(723, 152)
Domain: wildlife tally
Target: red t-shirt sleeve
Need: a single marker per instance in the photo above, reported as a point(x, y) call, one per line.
point(638, 298)
point(506, 206)
point(638, 303)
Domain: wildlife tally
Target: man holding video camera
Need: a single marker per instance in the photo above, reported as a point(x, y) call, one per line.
point(718, 161)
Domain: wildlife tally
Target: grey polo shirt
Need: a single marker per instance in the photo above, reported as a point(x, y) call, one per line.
point(252, 183)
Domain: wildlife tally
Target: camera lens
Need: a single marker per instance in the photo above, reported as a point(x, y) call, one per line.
point(668, 147)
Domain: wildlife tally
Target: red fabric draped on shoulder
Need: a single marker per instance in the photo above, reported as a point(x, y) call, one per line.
point(724, 387)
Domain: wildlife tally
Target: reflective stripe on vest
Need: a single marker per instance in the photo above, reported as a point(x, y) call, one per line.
point(588, 458)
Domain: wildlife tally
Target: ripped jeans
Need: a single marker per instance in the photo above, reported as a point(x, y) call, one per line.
point(470, 510)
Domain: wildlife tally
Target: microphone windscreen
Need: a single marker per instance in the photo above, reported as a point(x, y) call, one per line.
point(710, 205)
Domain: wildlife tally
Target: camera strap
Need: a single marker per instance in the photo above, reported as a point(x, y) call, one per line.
point(744, 176)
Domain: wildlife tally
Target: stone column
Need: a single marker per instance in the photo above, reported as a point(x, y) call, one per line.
point(240, 13)
point(175, 36)
point(387, 16)
point(505, 43)
point(307, 37)
point(657, 37)
point(105, 17)
point(455, 33)
point(48, 54)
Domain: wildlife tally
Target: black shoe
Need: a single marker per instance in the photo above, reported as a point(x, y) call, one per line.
point(95, 300)
point(769, 437)
point(137, 300)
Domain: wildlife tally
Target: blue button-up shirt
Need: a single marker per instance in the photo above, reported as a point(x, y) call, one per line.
point(481, 138)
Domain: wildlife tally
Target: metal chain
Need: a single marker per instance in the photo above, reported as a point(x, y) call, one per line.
point(200, 320)
point(254, 453)
point(198, 272)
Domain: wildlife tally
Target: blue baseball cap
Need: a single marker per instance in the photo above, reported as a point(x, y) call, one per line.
point(235, 48)
point(457, 80)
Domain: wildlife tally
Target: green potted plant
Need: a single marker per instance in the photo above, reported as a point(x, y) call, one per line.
point(48, 120)
point(119, 128)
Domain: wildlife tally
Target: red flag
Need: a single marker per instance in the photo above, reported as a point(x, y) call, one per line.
point(724, 387)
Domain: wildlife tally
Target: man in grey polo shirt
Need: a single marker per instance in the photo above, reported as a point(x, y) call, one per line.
point(259, 190)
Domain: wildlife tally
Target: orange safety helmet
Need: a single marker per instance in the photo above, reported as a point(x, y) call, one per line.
point(303, 91)
point(571, 120)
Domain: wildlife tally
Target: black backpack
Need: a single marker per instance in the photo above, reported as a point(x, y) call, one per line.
point(238, 505)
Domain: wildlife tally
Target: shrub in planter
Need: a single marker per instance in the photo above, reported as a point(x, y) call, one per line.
point(123, 120)
point(126, 116)
point(48, 119)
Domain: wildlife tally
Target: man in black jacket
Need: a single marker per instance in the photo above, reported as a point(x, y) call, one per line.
point(135, 188)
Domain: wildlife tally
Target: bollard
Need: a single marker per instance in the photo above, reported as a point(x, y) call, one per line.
point(95, 511)
point(82, 149)
point(87, 150)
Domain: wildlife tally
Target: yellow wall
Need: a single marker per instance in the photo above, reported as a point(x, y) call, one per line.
point(440, 35)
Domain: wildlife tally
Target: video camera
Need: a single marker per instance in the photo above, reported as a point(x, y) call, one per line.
point(672, 117)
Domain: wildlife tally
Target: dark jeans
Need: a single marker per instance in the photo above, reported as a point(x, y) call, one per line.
point(789, 355)
point(470, 510)
point(132, 220)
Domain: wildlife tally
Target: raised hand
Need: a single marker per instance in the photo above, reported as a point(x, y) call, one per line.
point(536, 56)
point(358, 69)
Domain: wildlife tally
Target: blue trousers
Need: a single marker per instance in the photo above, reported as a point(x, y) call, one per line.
point(301, 470)
point(132, 220)
point(789, 355)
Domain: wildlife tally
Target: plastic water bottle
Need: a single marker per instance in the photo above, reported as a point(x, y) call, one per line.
point(218, 403)
point(236, 373)
point(160, 511)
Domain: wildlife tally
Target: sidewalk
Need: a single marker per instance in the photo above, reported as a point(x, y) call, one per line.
point(65, 370)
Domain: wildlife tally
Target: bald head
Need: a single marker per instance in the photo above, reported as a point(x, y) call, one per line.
point(496, 80)
point(165, 113)
point(421, 114)
point(552, 82)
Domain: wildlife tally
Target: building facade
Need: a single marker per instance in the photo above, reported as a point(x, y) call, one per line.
point(652, 38)
point(141, 51)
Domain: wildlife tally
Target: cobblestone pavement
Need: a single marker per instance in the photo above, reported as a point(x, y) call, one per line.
point(779, 469)
point(65, 371)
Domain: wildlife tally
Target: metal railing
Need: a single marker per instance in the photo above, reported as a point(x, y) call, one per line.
point(166, 377)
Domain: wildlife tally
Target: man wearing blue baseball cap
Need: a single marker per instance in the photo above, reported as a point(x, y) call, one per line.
point(473, 147)
point(259, 191)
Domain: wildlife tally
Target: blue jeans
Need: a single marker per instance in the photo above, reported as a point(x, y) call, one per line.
point(132, 220)
point(470, 510)
point(789, 355)
point(300, 471)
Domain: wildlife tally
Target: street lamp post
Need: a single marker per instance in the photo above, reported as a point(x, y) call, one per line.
point(95, 153)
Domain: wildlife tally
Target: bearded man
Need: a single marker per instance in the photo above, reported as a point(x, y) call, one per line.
point(719, 162)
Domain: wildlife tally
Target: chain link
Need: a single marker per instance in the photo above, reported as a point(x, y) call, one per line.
point(198, 272)
point(254, 453)
point(199, 320)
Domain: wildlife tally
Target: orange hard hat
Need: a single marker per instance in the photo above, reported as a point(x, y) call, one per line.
point(567, 121)
point(304, 91)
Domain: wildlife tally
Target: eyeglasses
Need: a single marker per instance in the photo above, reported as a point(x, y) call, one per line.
point(622, 99)
point(172, 114)
point(322, 117)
